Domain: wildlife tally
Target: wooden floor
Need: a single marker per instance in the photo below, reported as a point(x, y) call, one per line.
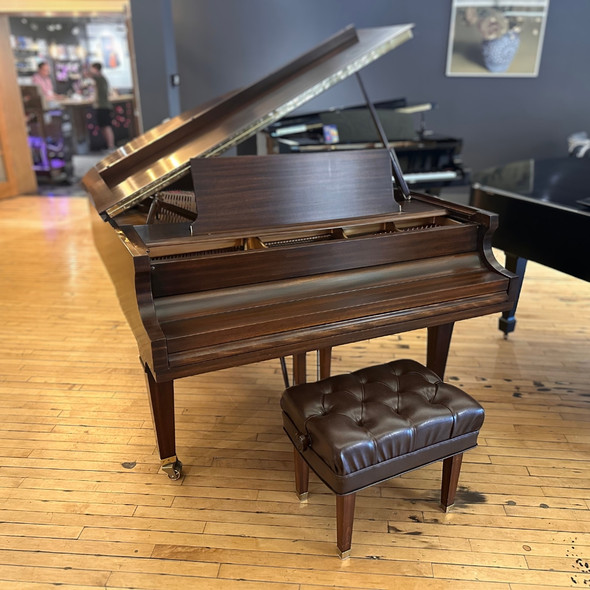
point(83, 505)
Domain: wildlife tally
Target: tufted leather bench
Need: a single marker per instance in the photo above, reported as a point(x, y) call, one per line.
point(362, 428)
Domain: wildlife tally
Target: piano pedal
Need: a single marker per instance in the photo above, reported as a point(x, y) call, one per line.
point(172, 467)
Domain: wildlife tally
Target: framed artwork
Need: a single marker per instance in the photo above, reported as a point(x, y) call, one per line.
point(496, 37)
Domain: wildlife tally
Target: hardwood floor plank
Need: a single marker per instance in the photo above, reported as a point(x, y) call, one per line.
point(381, 565)
point(79, 562)
point(159, 581)
point(420, 584)
point(328, 579)
point(526, 549)
point(40, 530)
point(43, 545)
point(11, 574)
point(490, 574)
point(399, 561)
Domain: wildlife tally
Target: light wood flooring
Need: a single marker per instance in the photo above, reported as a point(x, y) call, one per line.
point(82, 504)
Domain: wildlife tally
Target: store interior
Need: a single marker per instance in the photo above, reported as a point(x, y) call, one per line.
point(63, 134)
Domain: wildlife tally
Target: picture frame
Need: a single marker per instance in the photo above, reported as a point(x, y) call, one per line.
point(496, 37)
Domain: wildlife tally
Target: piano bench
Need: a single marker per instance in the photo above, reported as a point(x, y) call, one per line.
point(359, 429)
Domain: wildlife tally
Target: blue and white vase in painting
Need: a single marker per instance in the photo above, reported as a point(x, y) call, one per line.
point(499, 53)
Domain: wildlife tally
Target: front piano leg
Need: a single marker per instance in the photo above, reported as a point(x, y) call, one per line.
point(437, 351)
point(162, 405)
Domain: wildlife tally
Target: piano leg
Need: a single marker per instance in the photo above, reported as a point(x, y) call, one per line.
point(437, 350)
point(324, 362)
point(162, 405)
point(517, 265)
point(299, 368)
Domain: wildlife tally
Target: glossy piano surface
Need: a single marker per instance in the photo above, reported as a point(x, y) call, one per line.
point(542, 215)
point(232, 260)
point(554, 183)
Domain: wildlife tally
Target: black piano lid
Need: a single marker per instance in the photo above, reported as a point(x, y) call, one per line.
point(556, 183)
point(155, 159)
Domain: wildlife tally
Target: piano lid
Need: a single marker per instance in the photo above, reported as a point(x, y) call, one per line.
point(158, 157)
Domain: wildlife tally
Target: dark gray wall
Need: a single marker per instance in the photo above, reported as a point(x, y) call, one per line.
point(154, 42)
point(224, 44)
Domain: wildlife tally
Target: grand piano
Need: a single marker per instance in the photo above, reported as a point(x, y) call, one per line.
point(544, 211)
point(223, 261)
point(429, 161)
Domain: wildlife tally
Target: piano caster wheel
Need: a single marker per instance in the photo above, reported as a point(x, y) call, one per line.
point(173, 470)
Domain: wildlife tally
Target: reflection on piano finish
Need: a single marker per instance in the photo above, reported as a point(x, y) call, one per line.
point(542, 216)
point(287, 253)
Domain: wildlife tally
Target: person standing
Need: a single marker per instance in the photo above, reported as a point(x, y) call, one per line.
point(102, 105)
point(42, 79)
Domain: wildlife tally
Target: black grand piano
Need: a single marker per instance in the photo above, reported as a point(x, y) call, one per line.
point(429, 161)
point(219, 262)
point(544, 209)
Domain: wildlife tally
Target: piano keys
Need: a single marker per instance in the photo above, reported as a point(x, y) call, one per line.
point(220, 262)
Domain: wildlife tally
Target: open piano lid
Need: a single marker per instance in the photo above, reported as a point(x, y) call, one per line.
point(155, 159)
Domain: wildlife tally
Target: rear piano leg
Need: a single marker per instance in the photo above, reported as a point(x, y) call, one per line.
point(437, 351)
point(324, 363)
point(162, 405)
point(299, 368)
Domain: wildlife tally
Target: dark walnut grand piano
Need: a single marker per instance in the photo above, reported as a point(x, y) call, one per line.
point(219, 262)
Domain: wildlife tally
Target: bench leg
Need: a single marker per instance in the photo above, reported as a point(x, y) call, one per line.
point(450, 479)
point(344, 522)
point(301, 476)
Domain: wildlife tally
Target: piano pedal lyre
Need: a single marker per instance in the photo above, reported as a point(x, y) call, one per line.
point(172, 467)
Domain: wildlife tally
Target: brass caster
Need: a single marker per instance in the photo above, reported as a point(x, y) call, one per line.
point(173, 469)
point(303, 497)
point(447, 508)
point(344, 554)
